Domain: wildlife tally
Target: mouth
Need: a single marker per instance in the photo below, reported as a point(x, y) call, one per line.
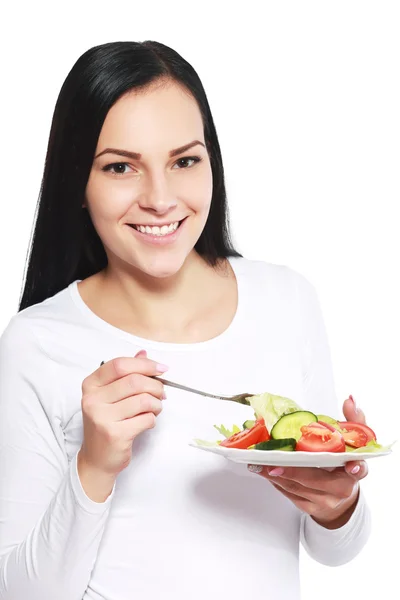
point(157, 230)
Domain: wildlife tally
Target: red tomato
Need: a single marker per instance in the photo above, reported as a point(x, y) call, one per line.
point(248, 437)
point(328, 426)
point(355, 439)
point(318, 438)
point(350, 426)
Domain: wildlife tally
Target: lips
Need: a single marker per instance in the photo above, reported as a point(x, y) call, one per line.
point(156, 238)
point(135, 225)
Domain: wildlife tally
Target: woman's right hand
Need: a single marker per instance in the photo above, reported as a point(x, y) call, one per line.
point(120, 400)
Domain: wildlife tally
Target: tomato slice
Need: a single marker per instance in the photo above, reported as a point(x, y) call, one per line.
point(348, 426)
point(318, 438)
point(328, 426)
point(248, 437)
point(355, 439)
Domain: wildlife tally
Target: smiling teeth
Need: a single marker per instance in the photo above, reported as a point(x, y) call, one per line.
point(160, 231)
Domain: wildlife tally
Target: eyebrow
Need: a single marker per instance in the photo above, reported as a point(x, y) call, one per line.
point(138, 156)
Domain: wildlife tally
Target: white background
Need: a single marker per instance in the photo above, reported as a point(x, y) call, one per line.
point(306, 101)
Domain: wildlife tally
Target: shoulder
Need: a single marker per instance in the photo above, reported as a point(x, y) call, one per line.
point(278, 278)
point(27, 331)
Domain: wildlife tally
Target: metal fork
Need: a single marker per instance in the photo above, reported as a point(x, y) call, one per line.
point(240, 398)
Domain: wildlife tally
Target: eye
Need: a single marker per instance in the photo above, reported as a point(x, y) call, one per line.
point(116, 168)
point(185, 159)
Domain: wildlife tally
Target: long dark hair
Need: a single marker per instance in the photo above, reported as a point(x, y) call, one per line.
point(65, 245)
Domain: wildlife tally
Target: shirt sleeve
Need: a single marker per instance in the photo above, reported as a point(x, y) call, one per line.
point(50, 530)
point(330, 547)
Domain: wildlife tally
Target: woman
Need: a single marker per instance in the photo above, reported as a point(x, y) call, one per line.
point(101, 496)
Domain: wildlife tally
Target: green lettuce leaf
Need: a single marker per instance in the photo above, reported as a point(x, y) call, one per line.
point(372, 446)
point(207, 443)
point(271, 408)
point(227, 432)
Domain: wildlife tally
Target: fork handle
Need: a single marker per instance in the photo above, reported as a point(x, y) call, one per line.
point(188, 389)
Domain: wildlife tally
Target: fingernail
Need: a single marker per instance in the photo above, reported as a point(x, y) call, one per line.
point(141, 353)
point(354, 403)
point(255, 468)
point(276, 472)
point(164, 395)
point(355, 469)
point(161, 368)
point(102, 363)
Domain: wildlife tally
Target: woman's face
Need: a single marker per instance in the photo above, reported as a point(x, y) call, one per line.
point(147, 195)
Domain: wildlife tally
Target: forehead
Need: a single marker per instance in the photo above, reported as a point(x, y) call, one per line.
point(160, 117)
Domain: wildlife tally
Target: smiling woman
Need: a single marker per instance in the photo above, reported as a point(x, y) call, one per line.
point(159, 188)
point(132, 268)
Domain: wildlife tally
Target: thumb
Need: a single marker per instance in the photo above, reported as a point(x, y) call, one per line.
point(352, 412)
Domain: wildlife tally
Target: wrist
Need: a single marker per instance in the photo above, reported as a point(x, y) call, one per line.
point(96, 483)
point(339, 519)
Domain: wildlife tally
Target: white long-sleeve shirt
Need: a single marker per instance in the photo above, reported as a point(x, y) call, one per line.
point(180, 523)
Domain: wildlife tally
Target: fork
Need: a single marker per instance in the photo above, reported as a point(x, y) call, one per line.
point(240, 398)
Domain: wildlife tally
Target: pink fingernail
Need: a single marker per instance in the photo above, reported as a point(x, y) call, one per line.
point(355, 469)
point(353, 401)
point(161, 368)
point(276, 472)
point(164, 395)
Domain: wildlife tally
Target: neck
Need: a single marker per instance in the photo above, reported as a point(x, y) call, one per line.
point(157, 307)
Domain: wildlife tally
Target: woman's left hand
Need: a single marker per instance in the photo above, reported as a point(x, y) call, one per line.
point(328, 495)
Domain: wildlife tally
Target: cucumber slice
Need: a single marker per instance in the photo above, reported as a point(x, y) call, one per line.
point(329, 420)
point(288, 444)
point(289, 426)
point(248, 424)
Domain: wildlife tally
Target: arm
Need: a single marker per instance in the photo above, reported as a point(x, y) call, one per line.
point(337, 546)
point(50, 530)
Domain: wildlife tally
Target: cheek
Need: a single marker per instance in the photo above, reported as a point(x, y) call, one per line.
point(198, 192)
point(113, 199)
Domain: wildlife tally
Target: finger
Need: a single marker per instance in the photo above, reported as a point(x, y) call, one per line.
point(357, 469)
point(301, 503)
point(336, 483)
point(129, 386)
point(131, 428)
point(136, 405)
point(120, 367)
point(352, 412)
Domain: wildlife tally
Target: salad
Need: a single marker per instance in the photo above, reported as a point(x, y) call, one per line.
point(281, 424)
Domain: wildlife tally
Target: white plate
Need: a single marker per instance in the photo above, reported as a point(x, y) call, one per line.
point(281, 458)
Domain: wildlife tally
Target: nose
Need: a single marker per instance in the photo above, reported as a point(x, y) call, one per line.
point(157, 196)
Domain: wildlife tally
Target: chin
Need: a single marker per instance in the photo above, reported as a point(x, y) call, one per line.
point(161, 268)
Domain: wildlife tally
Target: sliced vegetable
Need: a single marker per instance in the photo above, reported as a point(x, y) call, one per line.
point(271, 407)
point(279, 419)
point(207, 443)
point(318, 438)
point(247, 437)
point(329, 420)
point(350, 426)
point(328, 425)
point(227, 432)
point(373, 446)
point(288, 444)
point(289, 426)
point(355, 438)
